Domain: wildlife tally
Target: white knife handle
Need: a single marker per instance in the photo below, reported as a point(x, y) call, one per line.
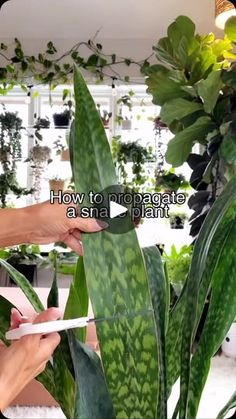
point(45, 328)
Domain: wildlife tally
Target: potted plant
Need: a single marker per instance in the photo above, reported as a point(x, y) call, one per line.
point(25, 258)
point(105, 116)
point(57, 183)
point(168, 181)
point(10, 154)
point(178, 263)
point(125, 101)
point(62, 149)
point(40, 123)
point(177, 220)
point(131, 152)
point(62, 119)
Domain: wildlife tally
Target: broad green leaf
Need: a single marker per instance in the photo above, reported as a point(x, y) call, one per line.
point(230, 405)
point(230, 28)
point(164, 52)
point(77, 303)
point(201, 250)
point(116, 278)
point(209, 90)
point(158, 291)
point(92, 396)
point(181, 33)
point(25, 286)
point(165, 85)
point(222, 47)
point(228, 149)
point(178, 109)
point(181, 145)
point(229, 76)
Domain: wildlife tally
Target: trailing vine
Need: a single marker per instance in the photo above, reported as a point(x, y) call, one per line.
point(50, 68)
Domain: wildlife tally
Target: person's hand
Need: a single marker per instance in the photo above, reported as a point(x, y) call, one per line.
point(25, 358)
point(49, 224)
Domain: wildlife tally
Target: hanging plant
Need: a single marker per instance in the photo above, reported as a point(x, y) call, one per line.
point(135, 153)
point(10, 154)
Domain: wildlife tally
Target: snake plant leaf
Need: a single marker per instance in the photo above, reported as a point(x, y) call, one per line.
point(200, 254)
point(178, 109)
point(53, 297)
point(174, 335)
point(5, 315)
point(158, 291)
point(221, 314)
point(116, 278)
point(230, 405)
point(77, 303)
point(25, 286)
point(92, 399)
point(65, 392)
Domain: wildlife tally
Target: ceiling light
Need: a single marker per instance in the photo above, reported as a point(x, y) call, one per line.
point(224, 9)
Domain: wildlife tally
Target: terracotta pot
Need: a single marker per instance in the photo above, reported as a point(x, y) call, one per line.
point(57, 185)
point(65, 155)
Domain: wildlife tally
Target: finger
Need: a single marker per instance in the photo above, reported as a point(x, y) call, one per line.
point(48, 315)
point(74, 244)
point(48, 345)
point(76, 233)
point(88, 225)
point(17, 319)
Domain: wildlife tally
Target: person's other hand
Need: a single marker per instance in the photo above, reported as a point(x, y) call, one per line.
point(26, 358)
point(49, 224)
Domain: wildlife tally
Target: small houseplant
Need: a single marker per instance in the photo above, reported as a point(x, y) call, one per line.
point(125, 101)
point(25, 258)
point(105, 116)
point(177, 220)
point(62, 120)
point(57, 183)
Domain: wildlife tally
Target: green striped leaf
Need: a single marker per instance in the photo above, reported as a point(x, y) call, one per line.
point(116, 278)
point(230, 405)
point(25, 286)
point(92, 397)
point(158, 290)
point(5, 315)
point(53, 298)
point(200, 255)
point(221, 314)
point(77, 303)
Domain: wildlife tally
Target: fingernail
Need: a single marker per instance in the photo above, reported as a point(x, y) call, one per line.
point(24, 318)
point(102, 224)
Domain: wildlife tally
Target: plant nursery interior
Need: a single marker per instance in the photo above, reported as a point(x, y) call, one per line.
point(117, 209)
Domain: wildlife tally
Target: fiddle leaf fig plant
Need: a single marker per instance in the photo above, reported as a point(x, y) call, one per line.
point(194, 83)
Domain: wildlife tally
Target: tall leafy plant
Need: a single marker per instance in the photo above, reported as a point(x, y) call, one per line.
point(144, 346)
point(194, 83)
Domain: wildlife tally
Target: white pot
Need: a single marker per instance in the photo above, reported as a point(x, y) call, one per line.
point(229, 344)
point(127, 124)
